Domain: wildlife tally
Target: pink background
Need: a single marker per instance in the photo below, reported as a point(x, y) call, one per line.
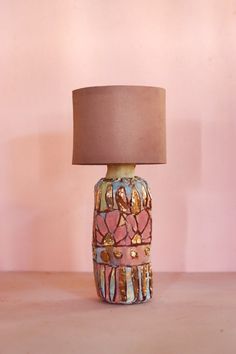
point(47, 49)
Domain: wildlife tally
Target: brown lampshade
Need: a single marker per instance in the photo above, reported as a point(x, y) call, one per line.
point(119, 124)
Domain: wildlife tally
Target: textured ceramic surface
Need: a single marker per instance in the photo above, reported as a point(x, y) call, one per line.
point(122, 232)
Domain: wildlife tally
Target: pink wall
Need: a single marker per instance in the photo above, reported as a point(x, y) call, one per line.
point(49, 48)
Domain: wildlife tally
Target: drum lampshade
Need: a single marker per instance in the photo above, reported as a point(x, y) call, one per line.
point(119, 125)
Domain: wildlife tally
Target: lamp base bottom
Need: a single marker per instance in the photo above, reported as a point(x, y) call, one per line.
point(123, 284)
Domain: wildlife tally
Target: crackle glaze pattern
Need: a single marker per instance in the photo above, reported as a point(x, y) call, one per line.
point(122, 232)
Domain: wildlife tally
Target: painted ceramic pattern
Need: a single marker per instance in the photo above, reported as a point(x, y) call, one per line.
point(122, 233)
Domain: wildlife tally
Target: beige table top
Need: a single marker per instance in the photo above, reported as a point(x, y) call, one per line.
point(55, 313)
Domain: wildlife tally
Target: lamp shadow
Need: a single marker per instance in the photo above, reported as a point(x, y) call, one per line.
point(171, 186)
point(45, 193)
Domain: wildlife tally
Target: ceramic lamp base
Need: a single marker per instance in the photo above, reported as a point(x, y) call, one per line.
point(122, 232)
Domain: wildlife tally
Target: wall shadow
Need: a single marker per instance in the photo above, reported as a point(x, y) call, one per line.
point(44, 193)
point(171, 186)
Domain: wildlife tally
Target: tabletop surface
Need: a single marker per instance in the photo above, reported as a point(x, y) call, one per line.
point(55, 313)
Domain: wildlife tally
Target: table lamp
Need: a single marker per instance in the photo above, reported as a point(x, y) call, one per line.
point(120, 126)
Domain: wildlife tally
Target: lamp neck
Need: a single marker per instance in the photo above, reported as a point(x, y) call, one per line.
point(120, 170)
